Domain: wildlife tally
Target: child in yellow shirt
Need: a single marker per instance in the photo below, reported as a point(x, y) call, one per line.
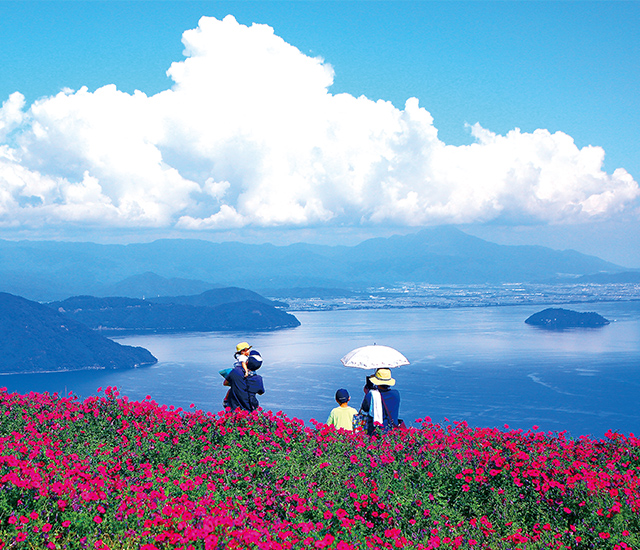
point(342, 416)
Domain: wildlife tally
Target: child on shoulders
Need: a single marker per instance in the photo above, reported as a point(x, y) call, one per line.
point(243, 349)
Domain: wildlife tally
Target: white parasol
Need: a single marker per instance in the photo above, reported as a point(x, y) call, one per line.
point(374, 357)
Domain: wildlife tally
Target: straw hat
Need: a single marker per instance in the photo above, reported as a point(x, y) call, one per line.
point(382, 377)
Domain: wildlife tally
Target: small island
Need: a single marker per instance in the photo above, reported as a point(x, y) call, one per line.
point(558, 318)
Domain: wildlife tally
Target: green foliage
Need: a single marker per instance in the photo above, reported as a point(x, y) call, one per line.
point(110, 473)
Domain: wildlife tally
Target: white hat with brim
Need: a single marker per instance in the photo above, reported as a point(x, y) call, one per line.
point(382, 377)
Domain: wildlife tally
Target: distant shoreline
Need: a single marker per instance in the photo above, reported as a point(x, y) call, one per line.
point(59, 371)
point(449, 301)
point(115, 332)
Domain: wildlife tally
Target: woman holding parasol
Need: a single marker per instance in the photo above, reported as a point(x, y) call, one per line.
point(381, 402)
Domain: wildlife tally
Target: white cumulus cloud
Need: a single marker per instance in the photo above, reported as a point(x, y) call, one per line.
point(250, 135)
point(11, 114)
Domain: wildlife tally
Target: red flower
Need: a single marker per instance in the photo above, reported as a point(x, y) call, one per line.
point(326, 541)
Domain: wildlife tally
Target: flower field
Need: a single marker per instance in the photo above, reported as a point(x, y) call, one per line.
point(107, 472)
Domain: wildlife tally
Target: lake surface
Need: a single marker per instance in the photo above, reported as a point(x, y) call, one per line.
point(482, 365)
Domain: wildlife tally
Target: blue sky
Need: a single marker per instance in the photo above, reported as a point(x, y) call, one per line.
point(566, 74)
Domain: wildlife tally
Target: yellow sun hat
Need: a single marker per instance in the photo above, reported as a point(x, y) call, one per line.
point(382, 377)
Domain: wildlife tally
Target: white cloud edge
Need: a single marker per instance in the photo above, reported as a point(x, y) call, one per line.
point(250, 136)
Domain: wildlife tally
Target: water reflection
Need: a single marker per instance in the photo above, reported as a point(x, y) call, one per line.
point(482, 365)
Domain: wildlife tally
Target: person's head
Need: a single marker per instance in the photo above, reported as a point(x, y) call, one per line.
point(382, 377)
point(254, 361)
point(243, 348)
point(342, 396)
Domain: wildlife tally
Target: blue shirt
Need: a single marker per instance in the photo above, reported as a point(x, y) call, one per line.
point(390, 398)
point(243, 390)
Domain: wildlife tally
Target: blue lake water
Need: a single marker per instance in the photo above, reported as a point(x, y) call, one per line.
point(482, 365)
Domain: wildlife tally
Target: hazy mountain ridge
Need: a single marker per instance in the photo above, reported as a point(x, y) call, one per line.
point(35, 338)
point(434, 255)
point(216, 297)
point(149, 284)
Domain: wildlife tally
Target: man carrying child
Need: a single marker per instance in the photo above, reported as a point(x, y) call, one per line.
point(244, 383)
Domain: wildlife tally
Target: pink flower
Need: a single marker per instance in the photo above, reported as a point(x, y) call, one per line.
point(326, 541)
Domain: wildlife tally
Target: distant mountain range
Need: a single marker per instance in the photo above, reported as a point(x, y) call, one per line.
point(36, 338)
point(149, 285)
point(51, 270)
point(214, 310)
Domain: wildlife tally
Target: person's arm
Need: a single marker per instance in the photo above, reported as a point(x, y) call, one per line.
point(255, 384)
point(397, 406)
point(392, 402)
point(366, 403)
